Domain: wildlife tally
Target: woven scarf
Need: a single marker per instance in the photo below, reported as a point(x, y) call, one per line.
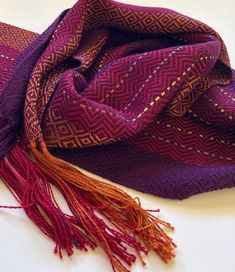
point(141, 96)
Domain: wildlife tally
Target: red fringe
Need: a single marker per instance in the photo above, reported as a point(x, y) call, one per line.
point(31, 187)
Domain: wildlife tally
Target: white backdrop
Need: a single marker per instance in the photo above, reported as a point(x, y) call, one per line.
point(205, 224)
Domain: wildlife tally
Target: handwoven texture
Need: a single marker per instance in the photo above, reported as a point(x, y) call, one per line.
point(145, 90)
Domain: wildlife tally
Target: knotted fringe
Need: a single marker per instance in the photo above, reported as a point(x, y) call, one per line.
point(87, 198)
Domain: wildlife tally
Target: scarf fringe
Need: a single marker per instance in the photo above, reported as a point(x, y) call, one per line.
point(32, 190)
point(92, 203)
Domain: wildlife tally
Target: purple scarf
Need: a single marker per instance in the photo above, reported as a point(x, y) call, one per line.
point(141, 96)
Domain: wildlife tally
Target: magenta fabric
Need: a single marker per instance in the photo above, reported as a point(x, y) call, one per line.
point(142, 96)
point(144, 90)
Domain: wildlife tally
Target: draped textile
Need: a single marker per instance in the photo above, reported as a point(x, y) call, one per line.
point(141, 96)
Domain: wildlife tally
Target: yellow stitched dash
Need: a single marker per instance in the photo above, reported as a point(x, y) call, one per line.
point(157, 98)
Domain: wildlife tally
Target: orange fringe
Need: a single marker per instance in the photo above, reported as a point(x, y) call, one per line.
point(129, 217)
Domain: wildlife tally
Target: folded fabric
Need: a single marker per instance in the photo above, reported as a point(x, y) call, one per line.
point(141, 96)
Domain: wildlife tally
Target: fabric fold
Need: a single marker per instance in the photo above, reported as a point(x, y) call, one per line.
point(142, 96)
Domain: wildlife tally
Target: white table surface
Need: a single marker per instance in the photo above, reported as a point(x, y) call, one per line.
point(205, 224)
